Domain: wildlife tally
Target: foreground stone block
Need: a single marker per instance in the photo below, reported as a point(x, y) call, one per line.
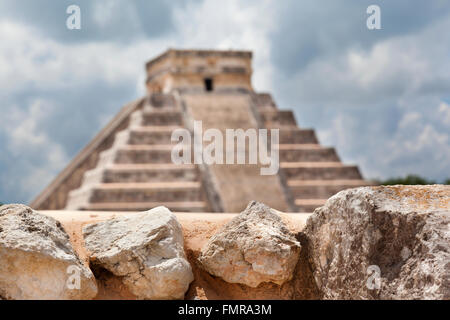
point(37, 260)
point(382, 243)
point(253, 248)
point(146, 250)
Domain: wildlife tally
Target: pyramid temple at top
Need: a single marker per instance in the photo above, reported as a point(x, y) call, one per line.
point(128, 165)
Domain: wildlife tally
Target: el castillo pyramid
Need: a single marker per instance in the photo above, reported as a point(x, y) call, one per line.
point(128, 167)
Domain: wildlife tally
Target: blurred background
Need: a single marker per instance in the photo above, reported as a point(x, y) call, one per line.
point(381, 97)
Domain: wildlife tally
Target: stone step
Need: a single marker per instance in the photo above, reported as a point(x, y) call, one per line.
point(162, 118)
point(309, 205)
point(152, 135)
point(264, 100)
point(162, 135)
point(142, 173)
point(143, 154)
point(321, 189)
point(195, 206)
point(307, 153)
point(297, 136)
point(278, 118)
point(162, 100)
point(319, 171)
point(146, 192)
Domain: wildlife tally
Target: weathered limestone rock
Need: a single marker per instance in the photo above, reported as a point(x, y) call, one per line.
point(253, 248)
point(403, 232)
point(146, 250)
point(37, 260)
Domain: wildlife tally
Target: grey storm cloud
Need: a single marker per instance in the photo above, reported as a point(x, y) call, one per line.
point(126, 19)
point(361, 88)
point(381, 97)
point(309, 30)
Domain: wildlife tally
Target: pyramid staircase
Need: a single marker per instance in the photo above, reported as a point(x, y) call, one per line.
point(127, 166)
point(313, 173)
point(137, 174)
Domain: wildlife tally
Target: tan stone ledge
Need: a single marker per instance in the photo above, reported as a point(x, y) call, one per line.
point(197, 229)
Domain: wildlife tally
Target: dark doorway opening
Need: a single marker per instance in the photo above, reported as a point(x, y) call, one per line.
point(209, 84)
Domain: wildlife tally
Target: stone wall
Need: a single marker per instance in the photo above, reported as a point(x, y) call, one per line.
point(187, 70)
point(365, 243)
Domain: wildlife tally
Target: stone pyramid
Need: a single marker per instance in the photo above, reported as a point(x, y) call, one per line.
point(128, 166)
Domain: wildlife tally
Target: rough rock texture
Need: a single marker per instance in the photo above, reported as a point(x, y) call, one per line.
point(146, 250)
point(198, 228)
point(37, 260)
point(253, 248)
point(402, 230)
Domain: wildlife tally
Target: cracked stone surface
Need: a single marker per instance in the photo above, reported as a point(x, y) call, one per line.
point(37, 260)
point(253, 248)
point(382, 243)
point(145, 250)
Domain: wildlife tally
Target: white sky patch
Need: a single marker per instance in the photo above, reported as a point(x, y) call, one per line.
point(25, 58)
point(410, 119)
point(400, 66)
point(230, 24)
point(38, 155)
point(418, 141)
point(444, 112)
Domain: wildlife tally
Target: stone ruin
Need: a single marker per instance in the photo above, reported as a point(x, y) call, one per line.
point(365, 243)
point(81, 240)
point(128, 167)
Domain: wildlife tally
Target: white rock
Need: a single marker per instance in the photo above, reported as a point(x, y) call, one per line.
point(146, 250)
point(401, 231)
point(253, 248)
point(37, 260)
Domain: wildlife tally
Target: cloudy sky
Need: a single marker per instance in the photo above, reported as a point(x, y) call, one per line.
point(382, 97)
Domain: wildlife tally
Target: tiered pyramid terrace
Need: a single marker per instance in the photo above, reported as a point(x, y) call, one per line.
point(128, 166)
